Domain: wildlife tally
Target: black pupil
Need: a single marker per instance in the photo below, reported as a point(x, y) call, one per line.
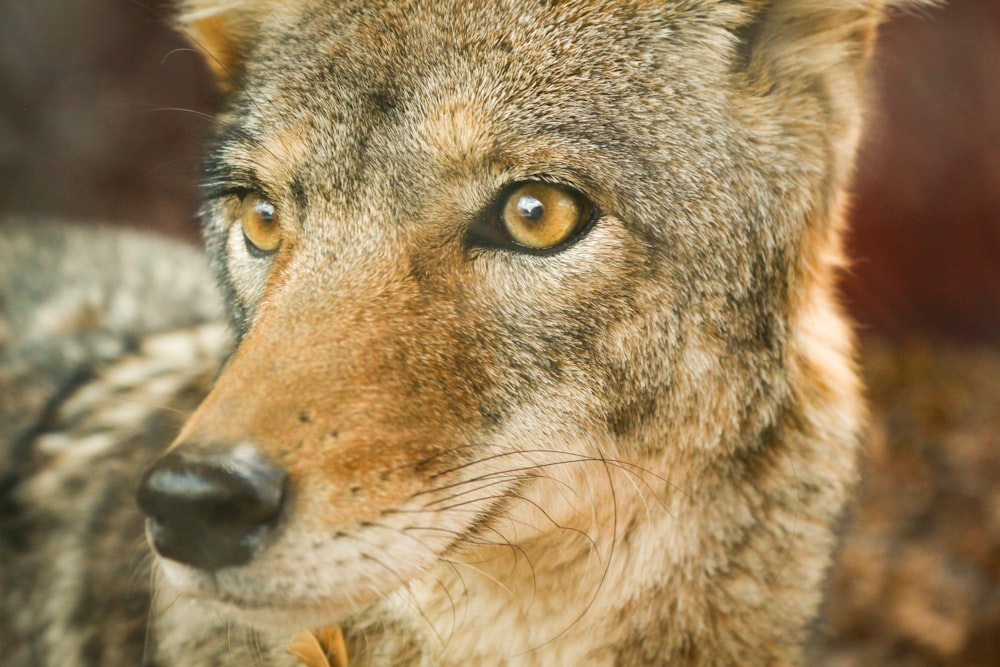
point(530, 208)
point(265, 211)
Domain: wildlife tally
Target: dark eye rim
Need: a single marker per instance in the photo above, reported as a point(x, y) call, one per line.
point(255, 251)
point(489, 231)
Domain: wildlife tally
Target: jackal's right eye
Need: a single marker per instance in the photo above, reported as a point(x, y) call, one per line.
point(259, 220)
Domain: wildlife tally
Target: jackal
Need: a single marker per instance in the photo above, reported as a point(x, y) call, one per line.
point(537, 361)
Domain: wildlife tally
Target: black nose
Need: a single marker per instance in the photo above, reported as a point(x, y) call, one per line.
point(211, 508)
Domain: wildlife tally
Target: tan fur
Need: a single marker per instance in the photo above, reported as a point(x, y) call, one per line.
point(630, 452)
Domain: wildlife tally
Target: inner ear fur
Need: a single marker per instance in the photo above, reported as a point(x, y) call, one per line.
point(223, 31)
point(813, 50)
point(781, 37)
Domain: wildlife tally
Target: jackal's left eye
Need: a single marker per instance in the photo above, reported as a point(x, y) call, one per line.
point(534, 217)
point(259, 220)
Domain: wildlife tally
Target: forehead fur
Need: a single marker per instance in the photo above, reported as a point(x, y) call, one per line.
point(224, 29)
point(710, 97)
point(578, 49)
point(196, 10)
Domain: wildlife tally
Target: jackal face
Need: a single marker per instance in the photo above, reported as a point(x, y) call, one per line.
point(471, 248)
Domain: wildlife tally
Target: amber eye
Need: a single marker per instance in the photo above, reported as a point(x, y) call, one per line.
point(260, 225)
point(541, 215)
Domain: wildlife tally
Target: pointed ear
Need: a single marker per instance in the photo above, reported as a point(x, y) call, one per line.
point(806, 37)
point(223, 31)
point(813, 37)
point(822, 46)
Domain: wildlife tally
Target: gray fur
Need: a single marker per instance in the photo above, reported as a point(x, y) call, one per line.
point(107, 340)
point(684, 361)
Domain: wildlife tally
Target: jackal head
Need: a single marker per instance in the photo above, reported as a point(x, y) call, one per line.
point(472, 249)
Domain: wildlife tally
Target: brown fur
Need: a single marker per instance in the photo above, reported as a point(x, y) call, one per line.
point(683, 369)
point(633, 451)
point(917, 580)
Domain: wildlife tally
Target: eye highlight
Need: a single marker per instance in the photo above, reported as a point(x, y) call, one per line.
point(540, 216)
point(259, 221)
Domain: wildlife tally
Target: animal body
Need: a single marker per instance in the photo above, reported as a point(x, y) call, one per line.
point(537, 360)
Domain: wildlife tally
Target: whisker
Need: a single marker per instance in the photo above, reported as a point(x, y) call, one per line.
point(630, 468)
point(604, 573)
point(516, 550)
point(501, 478)
point(459, 510)
point(174, 51)
point(404, 586)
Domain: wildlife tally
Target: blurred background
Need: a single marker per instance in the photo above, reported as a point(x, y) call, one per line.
point(101, 115)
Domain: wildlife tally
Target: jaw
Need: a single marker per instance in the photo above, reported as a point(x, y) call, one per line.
point(232, 594)
point(272, 615)
point(545, 567)
point(311, 577)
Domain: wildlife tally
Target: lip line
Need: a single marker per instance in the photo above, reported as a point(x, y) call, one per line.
point(206, 588)
point(269, 605)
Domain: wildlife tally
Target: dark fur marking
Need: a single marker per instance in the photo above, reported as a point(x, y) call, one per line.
point(15, 528)
point(385, 102)
point(21, 450)
point(748, 36)
point(631, 415)
point(299, 194)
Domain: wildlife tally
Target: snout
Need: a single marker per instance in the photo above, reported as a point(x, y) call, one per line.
point(212, 507)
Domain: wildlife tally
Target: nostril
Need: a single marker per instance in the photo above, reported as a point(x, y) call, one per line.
point(211, 508)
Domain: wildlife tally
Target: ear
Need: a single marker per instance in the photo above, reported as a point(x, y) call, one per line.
point(811, 38)
point(783, 35)
point(223, 31)
point(814, 50)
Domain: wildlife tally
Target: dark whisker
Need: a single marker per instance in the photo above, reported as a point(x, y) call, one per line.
point(607, 564)
point(404, 584)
